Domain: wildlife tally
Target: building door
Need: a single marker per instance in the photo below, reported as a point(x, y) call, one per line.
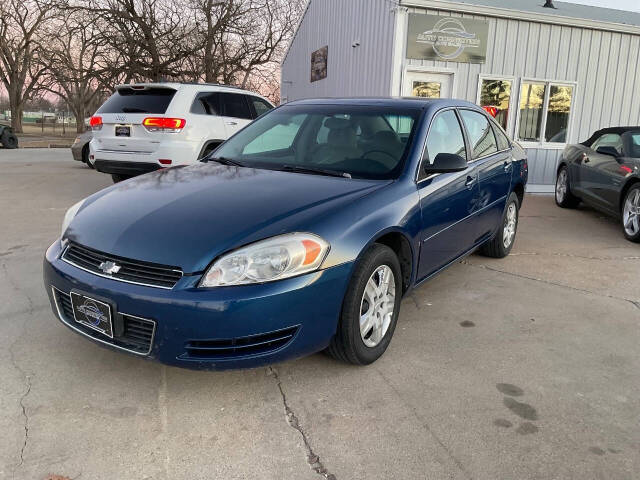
point(428, 85)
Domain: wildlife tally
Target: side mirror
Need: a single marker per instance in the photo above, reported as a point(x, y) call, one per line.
point(446, 163)
point(608, 150)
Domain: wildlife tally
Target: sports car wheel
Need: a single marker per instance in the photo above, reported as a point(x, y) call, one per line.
point(370, 308)
point(564, 197)
point(631, 214)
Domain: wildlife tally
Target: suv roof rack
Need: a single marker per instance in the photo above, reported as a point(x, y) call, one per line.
point(208, 83)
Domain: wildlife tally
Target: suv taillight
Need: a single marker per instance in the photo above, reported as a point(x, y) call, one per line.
point(95, 123)
point(164, 124)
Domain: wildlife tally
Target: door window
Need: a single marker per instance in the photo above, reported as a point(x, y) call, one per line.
point(608, 140)
point(481, 137)
point(234, 105)
point(445, 136)
point(259, 105)
point(501, 138)
point(206, 103)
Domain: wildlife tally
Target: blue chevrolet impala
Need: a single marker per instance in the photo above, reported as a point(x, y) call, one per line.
point(301, 233)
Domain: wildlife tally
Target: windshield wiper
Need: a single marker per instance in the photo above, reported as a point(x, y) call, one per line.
point(314, 171)
point(223, 161)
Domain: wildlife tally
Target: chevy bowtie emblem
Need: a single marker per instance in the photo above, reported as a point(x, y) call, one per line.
point(109, 267)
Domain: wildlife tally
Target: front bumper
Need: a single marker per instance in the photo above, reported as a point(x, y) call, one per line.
point(220, 328)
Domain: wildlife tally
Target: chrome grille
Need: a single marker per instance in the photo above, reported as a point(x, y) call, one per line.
point(131, 271)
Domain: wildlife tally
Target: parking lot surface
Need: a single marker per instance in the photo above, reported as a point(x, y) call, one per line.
point(521, 368)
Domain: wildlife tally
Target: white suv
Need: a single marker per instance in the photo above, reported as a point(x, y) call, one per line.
point(147, 126)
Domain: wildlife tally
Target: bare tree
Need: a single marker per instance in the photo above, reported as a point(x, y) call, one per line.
point(242, 41)
point(21, 71)
point(76, 45)
point(147, 39)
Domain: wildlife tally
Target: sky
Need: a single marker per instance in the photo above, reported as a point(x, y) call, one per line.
point(630, 5)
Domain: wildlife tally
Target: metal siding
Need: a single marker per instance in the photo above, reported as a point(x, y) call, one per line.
point(364, 70)
point(603, 64)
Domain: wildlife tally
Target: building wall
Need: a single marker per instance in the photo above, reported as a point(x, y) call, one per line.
point(605, 65)
point(359, 71)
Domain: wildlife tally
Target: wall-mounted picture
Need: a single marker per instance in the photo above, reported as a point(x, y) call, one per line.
point(319, 64)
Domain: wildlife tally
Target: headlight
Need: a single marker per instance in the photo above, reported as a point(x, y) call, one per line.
point(69, 216)
point(278, 257)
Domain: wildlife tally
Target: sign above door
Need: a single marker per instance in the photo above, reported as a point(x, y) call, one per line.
point(449, 39)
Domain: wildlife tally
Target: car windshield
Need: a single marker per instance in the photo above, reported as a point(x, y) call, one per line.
point(352, 141)
point(633, 142)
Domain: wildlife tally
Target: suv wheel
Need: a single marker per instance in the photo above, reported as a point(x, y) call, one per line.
point(370, 308)
point(116, 177)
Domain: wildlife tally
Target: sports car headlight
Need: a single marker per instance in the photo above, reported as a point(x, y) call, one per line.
point(278, 257)
point(69, 216)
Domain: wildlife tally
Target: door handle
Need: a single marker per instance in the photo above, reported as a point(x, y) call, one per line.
point(507, 165)
point(470, 181)
point(232, 123)
point(586, 160)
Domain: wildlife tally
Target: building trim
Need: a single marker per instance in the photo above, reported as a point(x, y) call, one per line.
point(536, 17)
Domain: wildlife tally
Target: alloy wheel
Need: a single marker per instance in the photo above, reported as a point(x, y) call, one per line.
point(377, 305)
point(510, 221)
point(631, 213)
point(561, 185)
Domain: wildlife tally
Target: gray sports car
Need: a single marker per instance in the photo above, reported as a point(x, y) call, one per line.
point(604, 172)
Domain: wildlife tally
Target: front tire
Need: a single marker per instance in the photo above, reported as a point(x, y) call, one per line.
point(631, 214)
point(501, 244)
point(564, 197)
point(370, 308)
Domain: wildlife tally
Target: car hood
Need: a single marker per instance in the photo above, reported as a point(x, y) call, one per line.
point(187, 216)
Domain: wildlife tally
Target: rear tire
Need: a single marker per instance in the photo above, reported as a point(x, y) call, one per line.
point(631, 214)
point(9, 140)
point(501, 244)
point(370, 308)
point(564, 197)
point(85, 156)
point(116, 177)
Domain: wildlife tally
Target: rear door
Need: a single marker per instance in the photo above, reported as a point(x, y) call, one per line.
point(235, 111)
point(122, 115)
point(448, 201)
point(494, 165)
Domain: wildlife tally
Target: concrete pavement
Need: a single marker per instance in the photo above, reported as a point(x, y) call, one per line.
point(521, 368)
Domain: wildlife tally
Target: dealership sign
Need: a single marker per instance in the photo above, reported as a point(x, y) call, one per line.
point(450, 39)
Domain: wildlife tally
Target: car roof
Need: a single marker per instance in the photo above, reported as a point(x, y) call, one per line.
point(602, 131)
point(406, 102)
point(184, 85)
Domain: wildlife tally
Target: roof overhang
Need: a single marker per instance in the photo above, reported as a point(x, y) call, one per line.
point(539, 17)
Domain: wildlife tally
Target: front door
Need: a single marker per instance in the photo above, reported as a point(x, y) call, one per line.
point(428, 85)
point(448, 201)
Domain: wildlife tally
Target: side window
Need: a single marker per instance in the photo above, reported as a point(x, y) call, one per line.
point(445, 136)
point(206, 103)
point(608, 140)
point(481, 137)
point(235, 105)
point(259, 105)
point(501, 138)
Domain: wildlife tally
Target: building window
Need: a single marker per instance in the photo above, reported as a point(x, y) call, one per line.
point(545, 109)
point(495, 98)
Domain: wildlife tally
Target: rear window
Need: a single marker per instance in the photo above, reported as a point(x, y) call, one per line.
point(130, 100)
